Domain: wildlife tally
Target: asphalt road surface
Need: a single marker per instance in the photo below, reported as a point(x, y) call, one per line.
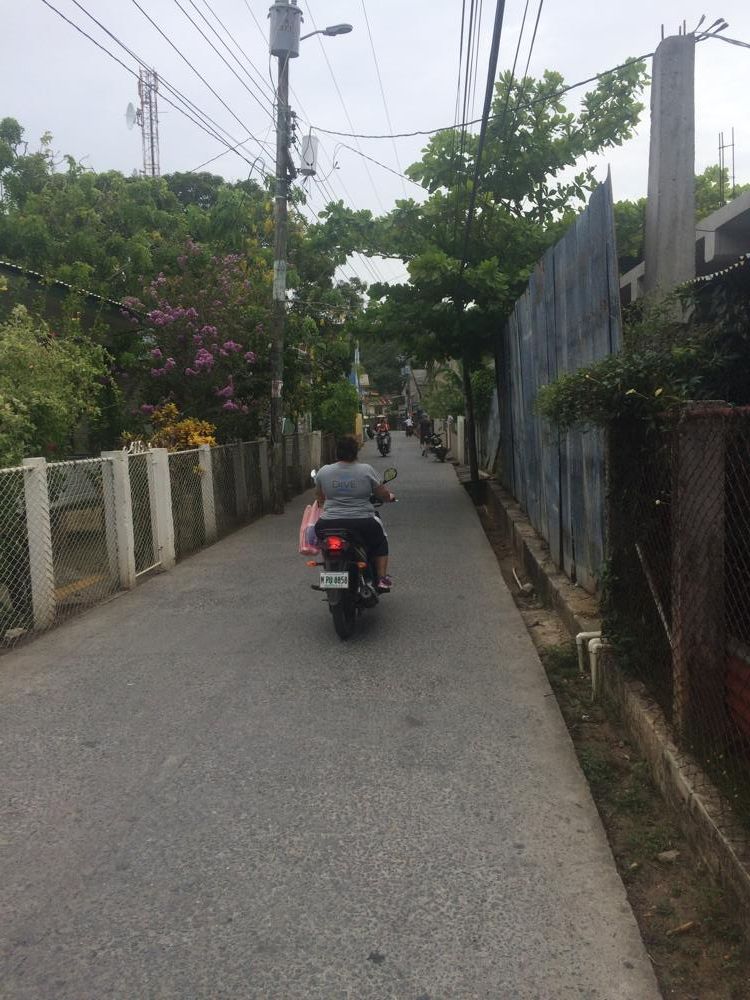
point(206, 794)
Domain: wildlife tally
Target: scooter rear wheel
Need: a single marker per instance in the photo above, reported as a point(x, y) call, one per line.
point(344, 616)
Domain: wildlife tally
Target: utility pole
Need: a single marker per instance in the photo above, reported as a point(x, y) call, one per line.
point(670, 206)
point(460, 300)
point(286, 21)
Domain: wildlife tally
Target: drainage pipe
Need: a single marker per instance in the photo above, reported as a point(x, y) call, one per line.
point(580, 639)
point(595, 648)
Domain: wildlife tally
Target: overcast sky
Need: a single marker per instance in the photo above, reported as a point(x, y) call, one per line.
point(54, 79)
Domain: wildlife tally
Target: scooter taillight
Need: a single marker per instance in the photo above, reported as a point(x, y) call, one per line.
point(334, 544)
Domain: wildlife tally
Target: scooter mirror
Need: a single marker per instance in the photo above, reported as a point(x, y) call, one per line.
point(389, 474)
point(313, 474)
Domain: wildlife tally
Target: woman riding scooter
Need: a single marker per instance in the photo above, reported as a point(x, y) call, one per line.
point(344, 490)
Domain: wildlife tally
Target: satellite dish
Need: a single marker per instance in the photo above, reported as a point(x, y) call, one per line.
point(130, 116)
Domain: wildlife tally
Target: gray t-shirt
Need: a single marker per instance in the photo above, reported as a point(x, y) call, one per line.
point(347, 487)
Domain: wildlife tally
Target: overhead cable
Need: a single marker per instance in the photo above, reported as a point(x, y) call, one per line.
point(382, 94)
point(343, 104)
point(490, 89)
point(200, 76)
point(81, 31)
point(211, 125)
point(477, 121)
point(264, 107)
point(261, 78)
point(378, 163)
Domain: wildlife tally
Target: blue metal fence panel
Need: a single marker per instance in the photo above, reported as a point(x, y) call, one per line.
point(568, 317)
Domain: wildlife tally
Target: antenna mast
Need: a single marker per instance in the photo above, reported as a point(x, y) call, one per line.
point(148, 88)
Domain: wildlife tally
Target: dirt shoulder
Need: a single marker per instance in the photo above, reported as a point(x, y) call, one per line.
point(698, 949)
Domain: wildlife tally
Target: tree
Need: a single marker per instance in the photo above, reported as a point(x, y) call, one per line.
point(382, 363)
point(527, 196)
point(49, 381)
point(711, 192)
point(336, 411)
point(205, 348)
point(530, 185)
point(713, 189)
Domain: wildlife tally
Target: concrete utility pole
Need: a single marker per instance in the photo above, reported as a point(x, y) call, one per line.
point(670, 207)
point(286, 20)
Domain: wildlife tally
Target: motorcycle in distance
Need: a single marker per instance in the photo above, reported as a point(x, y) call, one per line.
point(347, 576)
point(369, 431)
point(434, 445)
point(384, 442)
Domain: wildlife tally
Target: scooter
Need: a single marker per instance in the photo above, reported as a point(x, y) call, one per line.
point(370, 432)
point(434, 446)
point(384, 442)
point(347, 576)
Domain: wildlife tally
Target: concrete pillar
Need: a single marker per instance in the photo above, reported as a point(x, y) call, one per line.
point(460, 453)
point(39, 530)
point(207, 492)
point(316, 450)
point(118, 516)
point(240, 481)
point(162, 521)
point(670, 208)
point(265, 476)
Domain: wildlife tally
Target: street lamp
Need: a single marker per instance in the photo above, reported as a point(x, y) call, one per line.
point(286, 20)
point(334, 29)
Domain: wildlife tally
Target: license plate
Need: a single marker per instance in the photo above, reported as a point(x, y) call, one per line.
point(334, 581)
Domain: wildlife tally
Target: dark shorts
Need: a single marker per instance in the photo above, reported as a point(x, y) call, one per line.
point(369, 529)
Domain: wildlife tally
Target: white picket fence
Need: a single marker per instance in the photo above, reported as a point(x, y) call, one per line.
point(74, 533)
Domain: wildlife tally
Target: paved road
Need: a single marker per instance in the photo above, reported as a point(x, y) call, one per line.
point(205, 794)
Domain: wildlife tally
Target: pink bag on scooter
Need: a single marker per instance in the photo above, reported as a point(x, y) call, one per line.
point(308, 541)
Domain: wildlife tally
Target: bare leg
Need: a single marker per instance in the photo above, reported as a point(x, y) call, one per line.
point(381, 566)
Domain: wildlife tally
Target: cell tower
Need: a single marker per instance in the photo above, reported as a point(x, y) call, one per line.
point(148, 88)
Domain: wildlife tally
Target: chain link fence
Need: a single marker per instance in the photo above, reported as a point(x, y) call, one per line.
point(185, 477)
point(16, 611)
point(145, 549)
point(84, 555)
point(677, 594)
point(254, 465)
point(73, 533)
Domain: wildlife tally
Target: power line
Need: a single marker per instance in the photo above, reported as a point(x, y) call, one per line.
point(186, 101)
point(232, 70)
point(477, 39)
point(229, 149)
point(383, 166)
point(382, 94)
point(491, 74)
point(731, 41)
point(533, 38)
point(198, 73)
point(477, 121)
point(460, 179)
point(210, 132)
point(343, 105)
point(366, 262)
point(237, 45)
point(456, 116)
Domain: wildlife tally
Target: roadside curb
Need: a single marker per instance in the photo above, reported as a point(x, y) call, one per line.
point(719, 843)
